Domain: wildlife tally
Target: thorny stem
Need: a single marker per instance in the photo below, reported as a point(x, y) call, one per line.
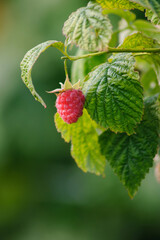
point(113, 50)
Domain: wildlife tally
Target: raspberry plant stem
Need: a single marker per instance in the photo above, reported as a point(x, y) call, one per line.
point(65, 68)
point(113, 50)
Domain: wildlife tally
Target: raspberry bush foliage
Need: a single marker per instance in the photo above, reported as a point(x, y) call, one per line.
point(109, 105)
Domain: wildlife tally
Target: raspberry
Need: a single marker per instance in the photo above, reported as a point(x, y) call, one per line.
point(69, 105)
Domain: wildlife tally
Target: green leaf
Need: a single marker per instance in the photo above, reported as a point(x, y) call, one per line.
point(138, 41)
point(29, 60)
point(154, 61)
point(88, 28)
point(114, 96)
point(153, 17)
point(127, 15)
point(143, 3)
point(132, 156)
point(149, 82)
point(82, 67)
point(85, 148)
point(121, 4)
point(148, 29)
point(155, 6)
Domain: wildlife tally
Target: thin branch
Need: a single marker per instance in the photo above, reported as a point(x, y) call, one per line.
point(114, 50)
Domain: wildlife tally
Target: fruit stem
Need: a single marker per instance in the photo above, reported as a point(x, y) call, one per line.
point(65, 68)
point(113, 50)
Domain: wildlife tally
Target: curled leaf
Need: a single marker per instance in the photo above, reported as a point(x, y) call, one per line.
point(29, 60)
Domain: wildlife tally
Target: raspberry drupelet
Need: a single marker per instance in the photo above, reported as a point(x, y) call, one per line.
point(70, 104)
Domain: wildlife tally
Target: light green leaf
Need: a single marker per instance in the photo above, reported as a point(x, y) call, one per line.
point(143, 3)
point(149, 82)
point(127, 15)
point(153, 5)
point(85, 148)
point(29, 60)
point(154, 61)
point(114, 96)
point(121, 4)
point(138, 41)
point(88, 28)
point(148, 29)
point(82, 67)
point(153, 17)
point(132, 156)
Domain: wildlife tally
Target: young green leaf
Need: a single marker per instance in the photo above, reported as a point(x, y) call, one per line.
point(83, 66)
point(154, 5)
point(127, 15)
point(121, 4)
point(153, 17)
point(132, 156)
point(114, 96)
point(84, 138)
point(150, 82)
point(29, 60)
point(143, 3)
point(138, 41)
point(154, 61)
point(88, 28)
point(148, 29)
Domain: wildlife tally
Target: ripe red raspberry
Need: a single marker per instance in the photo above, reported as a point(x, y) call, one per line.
point(69, 105)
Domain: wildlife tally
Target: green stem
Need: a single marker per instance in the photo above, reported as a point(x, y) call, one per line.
point(144, 50)
point(65, 68)
point(123, 29)
point(114, 50)
point(140, 54)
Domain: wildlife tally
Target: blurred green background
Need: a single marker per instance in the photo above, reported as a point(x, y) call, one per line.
point(43, 194)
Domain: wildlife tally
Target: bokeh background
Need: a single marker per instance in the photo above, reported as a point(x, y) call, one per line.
point(43, 194)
